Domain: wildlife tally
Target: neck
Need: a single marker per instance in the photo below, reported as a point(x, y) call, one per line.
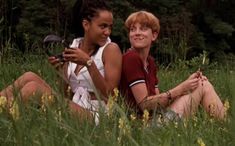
point(143, 53)
point(87, 46)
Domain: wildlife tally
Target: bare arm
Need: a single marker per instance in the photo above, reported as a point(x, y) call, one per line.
point(148, 102)
point(112, 59)
point(151, 102)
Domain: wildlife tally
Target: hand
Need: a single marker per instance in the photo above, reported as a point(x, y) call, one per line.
point(201, 76)
point(191, 83)
point(197, 74)
point(55, 62)
point(76, 55)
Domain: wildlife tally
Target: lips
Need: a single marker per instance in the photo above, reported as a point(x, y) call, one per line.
point(102, 41)
point(138, 38)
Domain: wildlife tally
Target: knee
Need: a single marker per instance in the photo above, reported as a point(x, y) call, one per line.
point(30, 76)
point(207, 86)
point(31, 86)
point(35, 87)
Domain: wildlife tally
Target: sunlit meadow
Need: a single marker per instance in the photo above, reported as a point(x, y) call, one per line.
point(53, 124)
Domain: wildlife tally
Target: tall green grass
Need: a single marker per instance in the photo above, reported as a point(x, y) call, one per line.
point(55, 125)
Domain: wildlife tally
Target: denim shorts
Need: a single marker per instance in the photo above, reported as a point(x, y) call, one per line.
point(165, 116)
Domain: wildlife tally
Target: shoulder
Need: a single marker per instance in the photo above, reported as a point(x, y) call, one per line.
point(111, 48)
point(131, 56)
point(112, 53)
point(131, 61)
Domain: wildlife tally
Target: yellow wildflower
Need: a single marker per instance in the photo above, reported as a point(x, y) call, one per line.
point(121, 123)
point(212, 109)
point(14, 110)
point(45, 100)
point(145, 117)
point(116, 93)
point(58, 114)
point(123, 126)
point(226, 106)
point(3, 103)
point(110, 106)
point(112, 100)
point(200, 142)
point(211, 120)
point(68, 91)
point(176, 124)
point(119, 139)
point(133, 117)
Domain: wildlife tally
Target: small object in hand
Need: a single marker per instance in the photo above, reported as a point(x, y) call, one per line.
point(54, 46)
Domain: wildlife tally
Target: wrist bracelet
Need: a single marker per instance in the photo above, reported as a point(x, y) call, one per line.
point(89, 62)
point(168, 93)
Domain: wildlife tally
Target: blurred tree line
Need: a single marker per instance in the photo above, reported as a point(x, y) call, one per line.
point(187, 26)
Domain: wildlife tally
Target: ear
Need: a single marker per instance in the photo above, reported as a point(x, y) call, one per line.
point(155, 35)
point(85, 24)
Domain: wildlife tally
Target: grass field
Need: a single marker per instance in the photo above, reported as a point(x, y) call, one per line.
point(55, 125)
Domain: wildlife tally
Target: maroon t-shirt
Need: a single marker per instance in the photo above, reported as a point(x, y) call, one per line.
point(133, 72)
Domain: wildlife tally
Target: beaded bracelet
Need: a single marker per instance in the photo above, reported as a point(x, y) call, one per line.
point(168, 93)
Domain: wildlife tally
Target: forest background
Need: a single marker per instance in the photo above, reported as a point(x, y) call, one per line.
point(194, 34)
point(187, 27)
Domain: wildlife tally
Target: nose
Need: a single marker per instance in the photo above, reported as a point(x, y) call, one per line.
point(137, 31)
point(107, 31)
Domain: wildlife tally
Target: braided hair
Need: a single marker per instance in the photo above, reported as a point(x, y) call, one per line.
point(86, 9)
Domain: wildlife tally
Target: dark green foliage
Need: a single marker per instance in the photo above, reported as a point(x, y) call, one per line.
point(187, 27)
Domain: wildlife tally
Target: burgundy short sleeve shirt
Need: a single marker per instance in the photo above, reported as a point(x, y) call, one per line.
point(134, 72)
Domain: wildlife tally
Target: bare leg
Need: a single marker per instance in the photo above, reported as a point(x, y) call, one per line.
point(27, 85)
point(32, 87)
point(211, 101)
point(186, 105)
point(80, 111)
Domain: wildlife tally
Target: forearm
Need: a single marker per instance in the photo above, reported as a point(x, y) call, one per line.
point(177, 91)
point(155, 101)
point(99, 81)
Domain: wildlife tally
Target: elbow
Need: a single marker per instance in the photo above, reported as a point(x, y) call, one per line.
point(106, 93)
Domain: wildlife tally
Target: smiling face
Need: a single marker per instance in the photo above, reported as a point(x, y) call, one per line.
point(99, 28)
point(143, 29)
point(141, 36)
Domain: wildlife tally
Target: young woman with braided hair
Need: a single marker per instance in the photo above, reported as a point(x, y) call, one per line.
point(92, 63)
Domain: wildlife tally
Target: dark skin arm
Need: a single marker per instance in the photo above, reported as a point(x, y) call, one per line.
point(112, 59)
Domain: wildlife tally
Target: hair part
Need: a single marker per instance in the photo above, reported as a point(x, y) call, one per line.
point(144, 18)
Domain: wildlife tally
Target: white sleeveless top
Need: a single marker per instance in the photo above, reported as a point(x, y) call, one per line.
point(81, 84)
